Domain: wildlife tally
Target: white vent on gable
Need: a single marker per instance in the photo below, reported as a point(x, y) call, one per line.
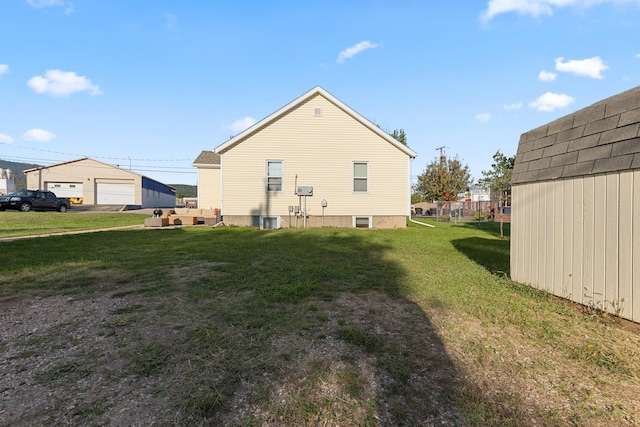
point(317, 112)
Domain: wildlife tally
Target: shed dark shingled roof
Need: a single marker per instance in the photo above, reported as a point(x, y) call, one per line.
point(207, 157)
point(604, 137)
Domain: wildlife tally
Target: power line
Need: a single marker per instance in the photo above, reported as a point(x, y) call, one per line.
point(95, 157)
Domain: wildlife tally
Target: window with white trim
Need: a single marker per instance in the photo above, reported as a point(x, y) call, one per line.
point(360, 177)
point(274, 175)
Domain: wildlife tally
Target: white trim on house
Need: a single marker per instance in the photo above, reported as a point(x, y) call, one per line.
point(267, 176)
point(360, 178)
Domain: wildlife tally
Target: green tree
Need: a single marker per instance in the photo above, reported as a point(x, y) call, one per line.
point(399, 135)
point(443, 179)
point(416, 198)
point(498, 181)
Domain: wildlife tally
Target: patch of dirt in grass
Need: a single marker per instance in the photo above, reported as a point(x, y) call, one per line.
point(133, 360)
point(61, 365)
point(234, 358)
point(187, 274)
point(373, 360)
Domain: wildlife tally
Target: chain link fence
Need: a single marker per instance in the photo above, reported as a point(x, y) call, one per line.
point(462, 211)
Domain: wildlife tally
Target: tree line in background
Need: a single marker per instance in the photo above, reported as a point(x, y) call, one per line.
point(19, 177)
point(445, 178)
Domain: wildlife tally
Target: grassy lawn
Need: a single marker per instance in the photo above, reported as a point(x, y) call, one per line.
point(16, 224)
point(242, 327)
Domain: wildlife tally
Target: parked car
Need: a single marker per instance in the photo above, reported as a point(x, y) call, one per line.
point(36, 200)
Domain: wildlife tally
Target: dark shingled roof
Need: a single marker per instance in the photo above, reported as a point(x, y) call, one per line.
point(604, 137)
point(207, 157)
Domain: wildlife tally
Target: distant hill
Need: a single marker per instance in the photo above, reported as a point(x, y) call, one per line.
point(184, 190)
point(19, 178)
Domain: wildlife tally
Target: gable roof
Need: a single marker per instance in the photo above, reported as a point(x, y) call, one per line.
point(603, 137)
point(302, 99)
point(207, 158)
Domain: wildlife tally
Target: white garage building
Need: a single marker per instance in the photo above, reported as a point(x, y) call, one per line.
point(91, 182)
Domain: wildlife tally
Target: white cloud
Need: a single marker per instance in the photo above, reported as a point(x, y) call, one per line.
point(45, 3)
point(39, 4)
point(355, 49)
point(638, 56)
point(547, 76)
point(516, 106)
point(483, 117)
point(6, 139)
point(62, 83)
point(551, 101)
point(523, 7)
point(38, 135)
point(537, 8)
point(240, 125)
point(592, 67)
point(4, 68)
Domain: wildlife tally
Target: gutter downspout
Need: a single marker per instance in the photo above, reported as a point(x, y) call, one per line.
point(418, 222)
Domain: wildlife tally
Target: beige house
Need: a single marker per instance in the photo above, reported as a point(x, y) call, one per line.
point(91, 182)
point(575, 222)
point(313, 162)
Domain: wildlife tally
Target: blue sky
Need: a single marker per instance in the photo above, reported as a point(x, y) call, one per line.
point(148, 85)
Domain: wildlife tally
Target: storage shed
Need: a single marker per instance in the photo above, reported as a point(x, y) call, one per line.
point(91, 182)
point(575, 224)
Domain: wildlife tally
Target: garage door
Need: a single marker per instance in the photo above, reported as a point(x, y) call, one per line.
point(115, 194)
point(65, 189)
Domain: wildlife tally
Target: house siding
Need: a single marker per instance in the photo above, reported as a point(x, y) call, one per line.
point(320, 151)
point(209, 188)
point(580, 239)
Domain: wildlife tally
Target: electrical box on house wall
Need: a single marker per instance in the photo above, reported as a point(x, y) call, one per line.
point(305, 191)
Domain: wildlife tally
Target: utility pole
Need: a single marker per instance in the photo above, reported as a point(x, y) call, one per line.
point(441, 149)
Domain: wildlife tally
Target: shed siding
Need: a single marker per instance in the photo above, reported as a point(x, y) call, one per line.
point(625, 242)
point(600, 232)
point(580, 239)
point(589, 211)
point(564, 288)
point(320, 151)
point(635, 274)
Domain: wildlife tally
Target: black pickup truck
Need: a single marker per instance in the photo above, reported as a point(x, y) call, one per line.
point(34, 200)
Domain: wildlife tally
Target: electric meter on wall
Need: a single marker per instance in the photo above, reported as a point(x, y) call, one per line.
point(305, 191)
